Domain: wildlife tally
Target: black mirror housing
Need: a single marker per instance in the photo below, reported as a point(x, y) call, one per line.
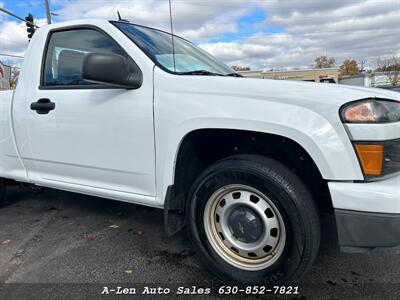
point(112, 69)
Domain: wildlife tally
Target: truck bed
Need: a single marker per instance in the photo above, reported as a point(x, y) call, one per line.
point(6, 140)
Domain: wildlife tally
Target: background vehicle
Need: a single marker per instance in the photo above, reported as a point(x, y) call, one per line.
point(108, 109)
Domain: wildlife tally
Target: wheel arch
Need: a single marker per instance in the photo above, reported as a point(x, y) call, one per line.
point(189, 157)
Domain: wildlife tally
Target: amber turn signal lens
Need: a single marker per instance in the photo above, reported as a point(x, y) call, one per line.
point(371, 158)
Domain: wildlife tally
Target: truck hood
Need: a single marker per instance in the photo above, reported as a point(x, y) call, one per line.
point(233, 94)
point(323, 98)
point(302, 93)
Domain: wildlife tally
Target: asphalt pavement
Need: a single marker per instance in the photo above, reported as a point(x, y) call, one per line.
point(55, 244)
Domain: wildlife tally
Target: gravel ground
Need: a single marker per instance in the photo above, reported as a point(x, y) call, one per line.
point(55, 243)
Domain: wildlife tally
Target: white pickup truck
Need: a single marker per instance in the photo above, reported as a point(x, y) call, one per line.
point(117, 110)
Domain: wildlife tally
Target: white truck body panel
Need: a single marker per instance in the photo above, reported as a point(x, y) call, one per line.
point(375, 132)
point(123, 144)
point(10, 163)
point(377, 197)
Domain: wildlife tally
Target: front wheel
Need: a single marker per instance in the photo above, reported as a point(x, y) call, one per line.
point(252, 221)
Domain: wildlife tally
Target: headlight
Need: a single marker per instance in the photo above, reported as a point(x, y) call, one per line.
point(371, 111)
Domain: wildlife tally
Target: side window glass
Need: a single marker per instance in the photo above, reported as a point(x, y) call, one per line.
point(66, 51)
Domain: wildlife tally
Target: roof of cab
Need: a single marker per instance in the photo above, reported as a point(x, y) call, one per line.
point(92, 22)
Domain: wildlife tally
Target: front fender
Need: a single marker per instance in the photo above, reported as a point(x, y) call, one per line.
point(183, 104)
point(332, 153)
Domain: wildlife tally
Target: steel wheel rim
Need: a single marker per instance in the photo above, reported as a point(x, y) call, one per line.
point(239, 239)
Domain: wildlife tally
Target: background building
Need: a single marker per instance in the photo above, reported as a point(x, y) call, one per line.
point(376, 79)
point(330, 75)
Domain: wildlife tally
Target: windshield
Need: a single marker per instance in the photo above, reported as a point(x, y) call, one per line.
point(188, 57)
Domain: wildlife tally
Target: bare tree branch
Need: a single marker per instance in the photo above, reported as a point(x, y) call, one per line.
point(390, 67)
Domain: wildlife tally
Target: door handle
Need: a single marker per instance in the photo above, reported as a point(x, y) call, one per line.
point(43, 106)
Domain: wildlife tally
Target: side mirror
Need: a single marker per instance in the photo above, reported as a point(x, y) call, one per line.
point(112, 69)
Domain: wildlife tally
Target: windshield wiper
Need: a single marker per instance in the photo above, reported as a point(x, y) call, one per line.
point(233, 75)
point(200, 72)
point(205, 72)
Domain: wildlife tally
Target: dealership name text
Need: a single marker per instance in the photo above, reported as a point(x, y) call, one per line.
point(148, 290)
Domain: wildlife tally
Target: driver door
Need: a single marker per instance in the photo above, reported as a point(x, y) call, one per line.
point(93, 138)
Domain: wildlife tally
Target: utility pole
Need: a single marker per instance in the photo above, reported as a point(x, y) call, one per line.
point(48, 14)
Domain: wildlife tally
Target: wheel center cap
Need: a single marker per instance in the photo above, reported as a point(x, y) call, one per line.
point(245, 224)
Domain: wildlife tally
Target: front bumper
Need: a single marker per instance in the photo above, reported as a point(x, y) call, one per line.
point(367, 214)
point(367, 230)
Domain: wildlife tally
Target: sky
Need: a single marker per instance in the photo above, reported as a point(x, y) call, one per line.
point(260, 34)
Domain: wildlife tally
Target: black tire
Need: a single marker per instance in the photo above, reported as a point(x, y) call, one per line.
point(2, 191)
point(289, 195)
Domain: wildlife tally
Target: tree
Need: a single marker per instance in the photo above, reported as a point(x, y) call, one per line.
point(390, 67)
point(324, 62)
point(349, 67)
point(240, 68)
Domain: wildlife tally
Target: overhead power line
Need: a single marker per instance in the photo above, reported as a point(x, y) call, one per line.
point(11, 55)
point(17, 17)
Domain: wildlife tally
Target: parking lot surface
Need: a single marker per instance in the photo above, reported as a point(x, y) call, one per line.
point(59, 243)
